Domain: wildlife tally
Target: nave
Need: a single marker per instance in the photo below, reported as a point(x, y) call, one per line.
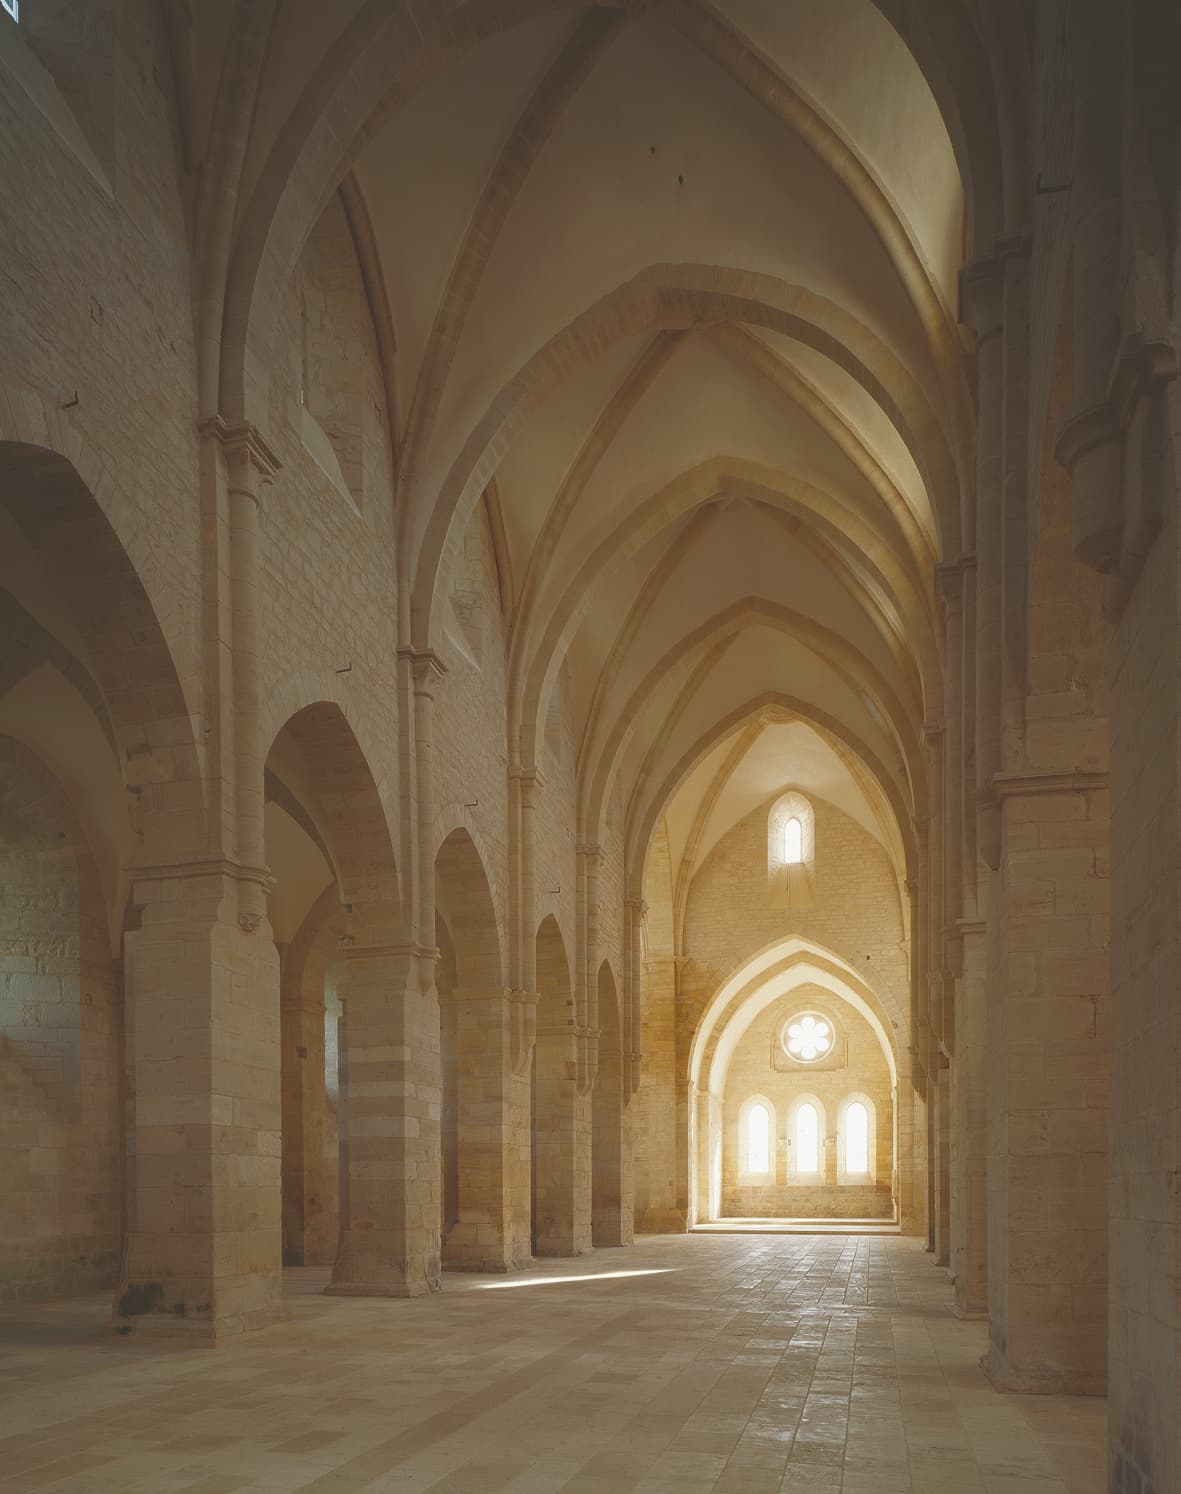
point(690, 1364)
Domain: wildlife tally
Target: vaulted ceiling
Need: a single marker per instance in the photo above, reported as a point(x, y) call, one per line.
point(672, 286)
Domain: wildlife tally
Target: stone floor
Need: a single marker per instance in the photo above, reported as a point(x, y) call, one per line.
point(725, 1363)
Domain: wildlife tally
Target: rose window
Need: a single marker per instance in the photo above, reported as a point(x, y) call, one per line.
point(808, 1037)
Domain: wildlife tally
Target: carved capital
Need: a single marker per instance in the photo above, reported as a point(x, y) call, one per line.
point(949, 586)
point(530, 780)
point(982, 285)
point(250, 458)
point(426, 668)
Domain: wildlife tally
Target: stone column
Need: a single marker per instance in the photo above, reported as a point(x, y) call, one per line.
point(1121, 444)
point(519, 1122)
point(389, 1245)
point(202, 1257)
point(911, 1160)
point(658, 1211)
point(562, 1140)
point(1144, 1384)
point(969, 1159)
point(943, 1162)
point(484, 1239)
point(1048, 1162)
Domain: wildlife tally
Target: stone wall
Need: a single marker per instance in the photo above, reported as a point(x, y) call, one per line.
point(852, 909)
point(61, 1025)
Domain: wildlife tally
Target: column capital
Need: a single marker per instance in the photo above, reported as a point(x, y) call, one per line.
point(246, 448)
point(949, 582)
point(218, 873)
point(426, 667)
point(528, 778)
point(982, 284)
point(410, 950)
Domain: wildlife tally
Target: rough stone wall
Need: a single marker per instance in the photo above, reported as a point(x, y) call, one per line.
point(855, 1068)
point(61, 1164)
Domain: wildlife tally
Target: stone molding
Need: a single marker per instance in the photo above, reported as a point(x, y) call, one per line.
point(1052, 781)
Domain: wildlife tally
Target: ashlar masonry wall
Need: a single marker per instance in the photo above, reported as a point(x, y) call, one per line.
point(61, 1021)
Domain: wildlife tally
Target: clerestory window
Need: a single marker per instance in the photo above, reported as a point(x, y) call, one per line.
point(793, 842)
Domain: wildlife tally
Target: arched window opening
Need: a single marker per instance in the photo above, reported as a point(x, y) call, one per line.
point(793, 842)
point(791, 852)
point(758, 1139)
point(857, 1138)
point(807, 1139)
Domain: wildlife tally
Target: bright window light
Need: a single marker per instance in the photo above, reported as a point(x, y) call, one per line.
point(807, 1037)
point(793, 842)
point(807, 1139)
point(758, 1139)
point(543, 1281)
point(13, 7)
point(857, 1138)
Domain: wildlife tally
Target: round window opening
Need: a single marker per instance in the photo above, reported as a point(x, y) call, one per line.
point(807, 1037)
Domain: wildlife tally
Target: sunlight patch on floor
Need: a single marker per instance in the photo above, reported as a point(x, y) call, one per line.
point(540, 1281)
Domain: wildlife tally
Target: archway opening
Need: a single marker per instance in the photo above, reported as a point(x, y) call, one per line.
point(797, 1078)
point(334, 913)
point(479, 1184)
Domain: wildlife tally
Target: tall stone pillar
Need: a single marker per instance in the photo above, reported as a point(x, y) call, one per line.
point(519, 1123)
point(202, 1257)
point(389, 1244)
point(943, 1161)
point(664, 1103)
point(1144, 1314)
point(910, 1120)
point(484, 1239)
point(562, 1141)
point(1048, 971)
point(1047, 1290)
point(969, 1158)
point(1121, 444)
